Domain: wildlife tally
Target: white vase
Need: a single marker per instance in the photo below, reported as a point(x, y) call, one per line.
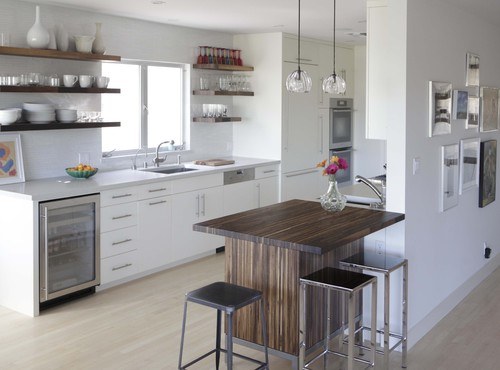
point(38, 37)
point(62, 38)
point(52, 40)
point(98, 45)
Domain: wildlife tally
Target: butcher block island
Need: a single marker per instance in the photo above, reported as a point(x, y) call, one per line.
point(270, 248)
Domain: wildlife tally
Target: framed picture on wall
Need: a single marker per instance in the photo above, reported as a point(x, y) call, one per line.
point(439, 108)
point(469, 164)
point(449, 177)
point(489, 109)
point(472, 122)
point(460, 104)
point(472, 70)
point(11, 159)
point(487, 172)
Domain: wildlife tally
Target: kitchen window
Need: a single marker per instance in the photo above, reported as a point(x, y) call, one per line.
point(150, 106)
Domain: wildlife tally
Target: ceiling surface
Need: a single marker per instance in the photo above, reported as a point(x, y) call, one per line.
point(238, 16)
point(257, 16)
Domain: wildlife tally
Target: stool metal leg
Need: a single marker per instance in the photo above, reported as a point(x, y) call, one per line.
point(302, 326)
point(217, 340)
point(404, 346)
point(328, 323)
point(229, 341)
point(264, 330)
point(350, 324)
point(182, 334)
point(342, 319)
point(387, 312)
point(373, 332)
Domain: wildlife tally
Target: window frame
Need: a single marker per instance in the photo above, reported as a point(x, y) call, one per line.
point(185, 103)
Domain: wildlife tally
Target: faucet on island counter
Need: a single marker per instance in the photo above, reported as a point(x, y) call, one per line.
point(380, 194)
point(157, 160)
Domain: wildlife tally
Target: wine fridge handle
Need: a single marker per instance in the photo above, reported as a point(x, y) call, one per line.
point(46, 254)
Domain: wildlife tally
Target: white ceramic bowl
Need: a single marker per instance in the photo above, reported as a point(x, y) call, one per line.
point(66, 115)
point(84, 43)
point(9, 115)
point(38, 107)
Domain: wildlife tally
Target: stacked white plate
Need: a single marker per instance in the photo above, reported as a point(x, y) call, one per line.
point(66, 115)
point(39, 112)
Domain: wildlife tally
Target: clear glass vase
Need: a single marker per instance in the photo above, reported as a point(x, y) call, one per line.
point(333, 200)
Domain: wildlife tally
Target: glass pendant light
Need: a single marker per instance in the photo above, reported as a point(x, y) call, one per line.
point(299, 80)
point(334, 84)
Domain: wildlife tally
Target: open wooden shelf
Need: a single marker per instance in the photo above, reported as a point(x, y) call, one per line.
point(223, 93)
point(223, 67)
point(24, 126)
point(56, 54)
point(216, 119)
point(57, 89)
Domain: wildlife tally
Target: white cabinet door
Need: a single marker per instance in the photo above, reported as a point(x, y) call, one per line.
point(266, 190)
point(155, 237)
point(301, 129)
point(190, 208)
point(377, 93)
point(239, 197)
point(301, 185)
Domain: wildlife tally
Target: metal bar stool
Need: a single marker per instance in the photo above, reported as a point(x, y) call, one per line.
point(228, 298)
point(385, 264)
point(347, 283)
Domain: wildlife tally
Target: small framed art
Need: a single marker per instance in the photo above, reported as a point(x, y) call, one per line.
point(11, 159)
point(469, 164)
point(487, 172)
point(489, 109)
point(472, 122)
point(439, 108)
point(472, 70)
point(449, 177)
point(460, 104)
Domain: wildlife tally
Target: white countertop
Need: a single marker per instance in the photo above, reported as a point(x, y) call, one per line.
point(66, 186)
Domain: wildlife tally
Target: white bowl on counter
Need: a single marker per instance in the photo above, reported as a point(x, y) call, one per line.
point(9, 115)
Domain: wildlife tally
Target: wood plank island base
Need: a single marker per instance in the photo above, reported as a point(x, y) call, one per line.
point(270, 248)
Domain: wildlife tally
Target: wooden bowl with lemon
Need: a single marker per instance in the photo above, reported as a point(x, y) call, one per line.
point(81, 171)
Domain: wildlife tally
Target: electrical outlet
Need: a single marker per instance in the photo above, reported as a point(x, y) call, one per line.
point(379, 247)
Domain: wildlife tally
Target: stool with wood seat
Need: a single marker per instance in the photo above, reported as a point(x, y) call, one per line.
point(385, 264)
point(347, 283)
point(226, 298)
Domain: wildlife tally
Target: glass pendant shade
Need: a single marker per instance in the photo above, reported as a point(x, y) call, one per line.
point(334, 84)
point(299, 81)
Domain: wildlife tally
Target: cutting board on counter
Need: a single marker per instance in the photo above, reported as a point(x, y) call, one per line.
point(214, 162)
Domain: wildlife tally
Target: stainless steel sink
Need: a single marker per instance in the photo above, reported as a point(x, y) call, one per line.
point(169, 170)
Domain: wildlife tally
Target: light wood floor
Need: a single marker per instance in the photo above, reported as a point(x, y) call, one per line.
point(137, 326)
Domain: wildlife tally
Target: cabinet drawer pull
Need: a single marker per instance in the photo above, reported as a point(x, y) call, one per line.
point(159, 202)
point(268, 171)
point(121, 196)
point(121, 267)
point(302, 173)
point(122, 241)
point(155, 190)
point(119, 217)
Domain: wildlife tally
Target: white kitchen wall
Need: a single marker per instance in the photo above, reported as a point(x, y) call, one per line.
point(430, 39)
point(133, 39)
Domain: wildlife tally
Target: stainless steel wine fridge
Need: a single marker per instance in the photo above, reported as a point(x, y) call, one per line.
point(69, 248)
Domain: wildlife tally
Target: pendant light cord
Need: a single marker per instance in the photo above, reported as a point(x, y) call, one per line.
point(298, 42)
point(334, 16)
